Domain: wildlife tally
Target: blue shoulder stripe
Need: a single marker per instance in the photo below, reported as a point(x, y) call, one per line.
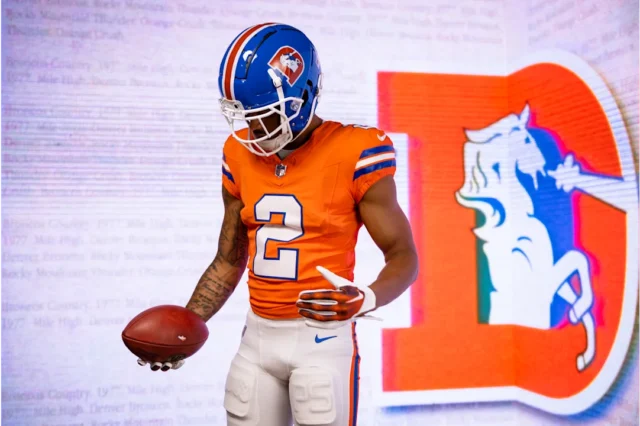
point(377, 150)
point(228, 175)
point(372, 168)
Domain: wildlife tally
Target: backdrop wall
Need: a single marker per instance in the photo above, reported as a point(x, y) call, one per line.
point(111, 157)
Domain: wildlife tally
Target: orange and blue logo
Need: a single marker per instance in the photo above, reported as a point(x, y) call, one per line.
point(524, 206)
point(289, 62)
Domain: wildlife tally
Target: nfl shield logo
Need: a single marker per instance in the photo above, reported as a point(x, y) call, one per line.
point(281, 169)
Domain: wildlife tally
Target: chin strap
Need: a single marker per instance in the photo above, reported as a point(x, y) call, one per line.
point(277, 82)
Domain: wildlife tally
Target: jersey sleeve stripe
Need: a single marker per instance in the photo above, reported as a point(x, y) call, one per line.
point(377, 150)
point(226, 166)
point(374, 167)
point(376, 158)
point(227, 174)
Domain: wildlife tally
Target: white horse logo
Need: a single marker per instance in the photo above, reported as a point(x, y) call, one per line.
point(524, 275)
point(289, 61)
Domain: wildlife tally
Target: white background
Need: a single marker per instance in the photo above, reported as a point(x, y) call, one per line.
point(111, 156)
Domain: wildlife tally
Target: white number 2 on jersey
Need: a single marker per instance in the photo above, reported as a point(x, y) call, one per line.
point(285, 265)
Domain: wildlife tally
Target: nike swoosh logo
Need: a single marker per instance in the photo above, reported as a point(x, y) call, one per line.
point(320, 340)
point(382, 138)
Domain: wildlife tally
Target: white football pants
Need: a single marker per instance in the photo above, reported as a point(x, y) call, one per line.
point(287, 372)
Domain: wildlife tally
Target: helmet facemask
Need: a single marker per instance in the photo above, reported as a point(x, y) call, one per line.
point(272, 141)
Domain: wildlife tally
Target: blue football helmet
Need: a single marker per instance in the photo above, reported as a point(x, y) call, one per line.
point(270, 69)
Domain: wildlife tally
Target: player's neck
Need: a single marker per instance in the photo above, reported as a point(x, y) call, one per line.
point(305, 135)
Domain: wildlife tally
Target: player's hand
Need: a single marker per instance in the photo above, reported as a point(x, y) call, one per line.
point(155, 366)
point(333, 308)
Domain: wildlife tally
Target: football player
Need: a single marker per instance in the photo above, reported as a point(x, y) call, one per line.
point(296, 190)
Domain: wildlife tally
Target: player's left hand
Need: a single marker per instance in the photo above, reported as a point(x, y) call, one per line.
point(155, 366)
point(334, 308)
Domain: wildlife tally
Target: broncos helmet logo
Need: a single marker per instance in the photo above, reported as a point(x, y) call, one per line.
point(289, 62)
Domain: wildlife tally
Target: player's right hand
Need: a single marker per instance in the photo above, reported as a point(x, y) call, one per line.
point(155, 366)
point(333, 308)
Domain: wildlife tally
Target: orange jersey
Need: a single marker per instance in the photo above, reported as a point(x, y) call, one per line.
point(307, 215)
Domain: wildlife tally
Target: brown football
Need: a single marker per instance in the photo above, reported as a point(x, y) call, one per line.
point(165, 333)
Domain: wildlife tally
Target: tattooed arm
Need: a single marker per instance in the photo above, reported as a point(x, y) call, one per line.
point(222, 276)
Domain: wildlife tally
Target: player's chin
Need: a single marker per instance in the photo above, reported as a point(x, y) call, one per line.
point(268, 145)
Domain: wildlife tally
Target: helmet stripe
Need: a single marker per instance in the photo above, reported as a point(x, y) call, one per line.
point(234, 56)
